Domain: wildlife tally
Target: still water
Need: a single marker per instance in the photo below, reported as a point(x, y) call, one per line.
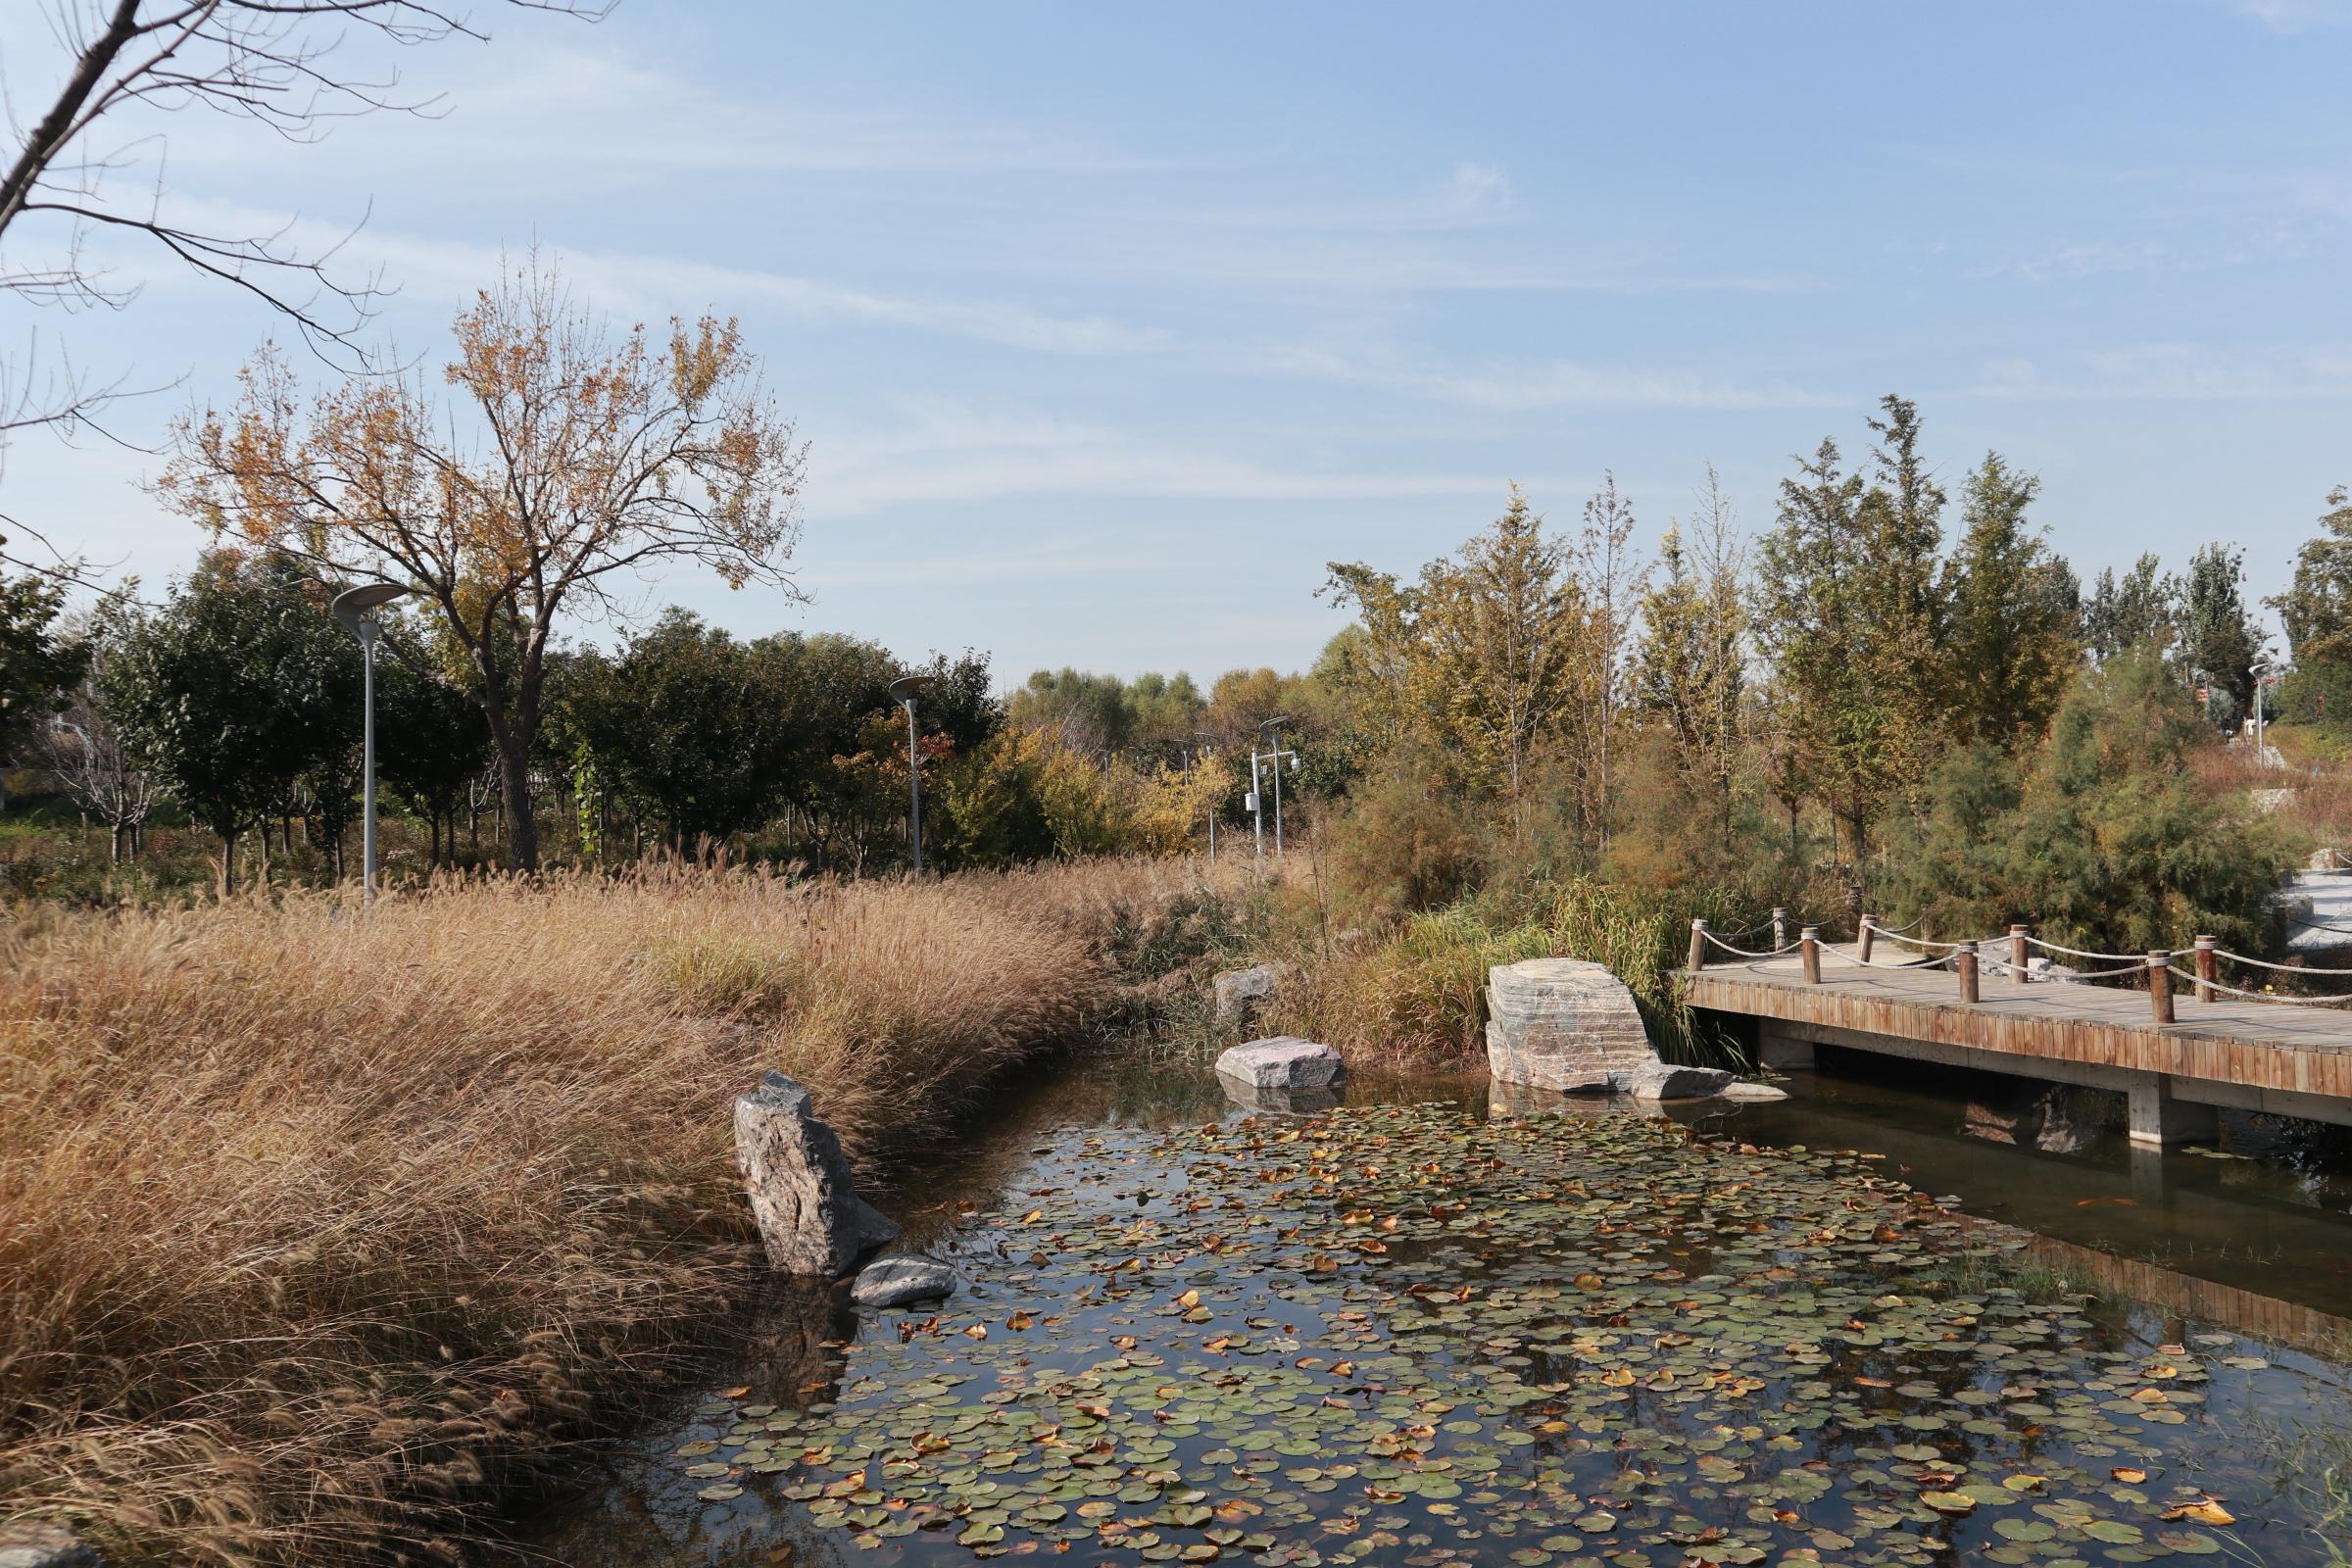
point(1930, 1321)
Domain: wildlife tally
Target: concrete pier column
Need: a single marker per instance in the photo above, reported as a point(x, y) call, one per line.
point(2161, 1120)
point(1783, 1051)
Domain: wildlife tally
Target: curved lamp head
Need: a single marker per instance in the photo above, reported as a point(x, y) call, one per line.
point(906, 686)
point(352, 605)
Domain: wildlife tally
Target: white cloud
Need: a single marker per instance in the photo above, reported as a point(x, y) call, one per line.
point(2171, 372)
point(952, 452)
point(2294, 16)
point(1550, 385)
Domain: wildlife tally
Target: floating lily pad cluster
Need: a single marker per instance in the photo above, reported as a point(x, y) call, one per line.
point(1403, 1335)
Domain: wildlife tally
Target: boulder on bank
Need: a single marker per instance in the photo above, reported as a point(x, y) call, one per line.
point(26, 1544)
point(1564, 1024)
point(1284, 1062)
point(1238, 995)
point(897, 1280)
point(802, 1194)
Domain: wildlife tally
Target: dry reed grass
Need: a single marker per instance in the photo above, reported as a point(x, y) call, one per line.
point(312, 1224)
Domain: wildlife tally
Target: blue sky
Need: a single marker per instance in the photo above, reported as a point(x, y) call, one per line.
point(1109, 325)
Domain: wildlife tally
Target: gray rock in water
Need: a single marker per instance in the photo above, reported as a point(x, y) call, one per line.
point(896, 1281)
point(811, 1220)
point(1282, 1063)
point(1741, 1089)
point(26, 1545)
point(1562, 1023)
point(1279, 1101)
point(1237, 996)
point(1663, 1080)
point(1509, 1101)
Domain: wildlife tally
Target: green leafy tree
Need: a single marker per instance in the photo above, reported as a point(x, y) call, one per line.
point(2011, 637)
point(2110, 841)
point(431, 741)
point(40, 667)
point(233, 691)
point(1691, 668)
point(2316, 607)
point(2218, 634)
point(2142, 609)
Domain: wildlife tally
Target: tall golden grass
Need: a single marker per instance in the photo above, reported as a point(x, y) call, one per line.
point(314, 1222)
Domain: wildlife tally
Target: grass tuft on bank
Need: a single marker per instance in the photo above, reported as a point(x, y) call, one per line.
point(315, 1225)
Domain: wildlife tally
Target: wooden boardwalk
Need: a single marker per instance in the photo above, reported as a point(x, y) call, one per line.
point(2253, 1055)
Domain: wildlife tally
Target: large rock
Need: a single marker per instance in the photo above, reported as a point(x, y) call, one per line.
point(1665, 1080)
point(26, 1545)
point(1238, 995)
point(1562, 1023)
point(802, 1194)
point(1282, 1062)
point(1748, 1089)
point(897, 1280)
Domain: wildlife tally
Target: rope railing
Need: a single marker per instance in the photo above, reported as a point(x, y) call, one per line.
point(1970, 959)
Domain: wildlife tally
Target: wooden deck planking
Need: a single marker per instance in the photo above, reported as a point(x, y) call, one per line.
point(2265, 1045)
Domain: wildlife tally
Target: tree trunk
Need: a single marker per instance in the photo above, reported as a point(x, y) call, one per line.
point(229, 860)
point(515, 801)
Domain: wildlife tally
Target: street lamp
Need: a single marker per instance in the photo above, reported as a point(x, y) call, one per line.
point(351, 607)
point(904, 689)
point(2261, 678)
point(1273, 759)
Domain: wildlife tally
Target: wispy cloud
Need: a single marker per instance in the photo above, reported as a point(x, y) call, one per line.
point(1550, 385)
point(2171, 373)
point(943, 451)
point(2294, 16)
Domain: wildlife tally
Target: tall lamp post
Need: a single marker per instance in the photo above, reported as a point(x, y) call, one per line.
point(2262, 679)
point(1274, 756)
point(904, 689)
point(353, 607)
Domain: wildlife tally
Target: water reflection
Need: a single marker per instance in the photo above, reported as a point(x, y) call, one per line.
point(2175, 1245)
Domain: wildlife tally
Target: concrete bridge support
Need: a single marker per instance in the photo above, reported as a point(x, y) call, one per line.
point(2161, 1119)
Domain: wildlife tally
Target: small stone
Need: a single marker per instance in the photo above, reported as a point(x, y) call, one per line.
point(1664, 1080)
point(811, 1220)
point(1237, 996)
point(26, 1544)
point(1741, 1089)
point(897, 1280)
point(1282, 1063)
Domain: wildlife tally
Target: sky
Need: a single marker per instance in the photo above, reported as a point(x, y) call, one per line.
point(1108, 326)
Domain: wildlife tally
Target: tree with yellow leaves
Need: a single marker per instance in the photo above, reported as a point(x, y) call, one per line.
point(565, 454)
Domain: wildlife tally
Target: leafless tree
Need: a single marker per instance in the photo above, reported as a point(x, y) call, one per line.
point(91, 160)
point(84, 750)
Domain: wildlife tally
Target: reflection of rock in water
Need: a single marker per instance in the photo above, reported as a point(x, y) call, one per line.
point(797, 1341)
point(1507, 1102)
point(1279, 1101)
point(2056, 1119)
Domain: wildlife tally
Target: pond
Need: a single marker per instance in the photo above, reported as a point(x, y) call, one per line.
point(1443, 1324)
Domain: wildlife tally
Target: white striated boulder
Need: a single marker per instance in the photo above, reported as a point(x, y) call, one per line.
point(1282, 1062)
point(1562, 1023)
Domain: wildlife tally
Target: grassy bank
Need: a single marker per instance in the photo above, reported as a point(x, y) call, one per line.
point(1414, 993)
point(312, 1225)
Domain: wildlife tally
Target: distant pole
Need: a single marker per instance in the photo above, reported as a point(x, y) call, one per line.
point(352, 609)
point(1275, 741)
point(1258, 806)
point(904, 689)
point(1209, 752)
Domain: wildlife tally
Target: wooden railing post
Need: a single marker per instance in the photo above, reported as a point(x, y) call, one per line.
point(1965, 960)
point(1869, 928)
point(1811, 941)
point(1698, 946)
point(2017, 952)
point(1779, 929)
point(2160, 986)
point(2205, 947)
